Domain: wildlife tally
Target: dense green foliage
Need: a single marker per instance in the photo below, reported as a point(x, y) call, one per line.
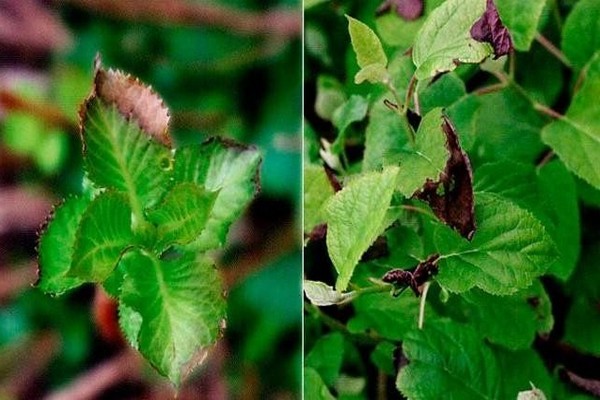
point(468, 170)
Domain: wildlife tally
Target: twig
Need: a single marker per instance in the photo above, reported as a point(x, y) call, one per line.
point(283, 23)
point(552, 49)
point(48, 113)
point(122, 367)
point(591, 386)
point(547, 111)
point(422, 304)
point(489, 89)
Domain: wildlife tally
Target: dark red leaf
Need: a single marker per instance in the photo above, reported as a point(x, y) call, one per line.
point(454, 205)
point(489, 28)
point(406, 9)
point(417, 277)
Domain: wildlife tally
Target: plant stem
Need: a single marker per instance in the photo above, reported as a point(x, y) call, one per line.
point(334, 324)
point(401, 109)
point(423, 211)
point(552, 49)
point(489, 89)
point(422, 304)
point(547, 110)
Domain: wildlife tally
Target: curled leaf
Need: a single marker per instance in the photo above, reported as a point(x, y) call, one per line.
point(454, 203)
point(406, 9)
point(134, 100)
point(416, 278)
point(490, 29)
point(321, 294)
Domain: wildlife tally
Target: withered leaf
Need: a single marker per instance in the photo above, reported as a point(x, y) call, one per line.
point(134, 100)
point(414, 278)
point(489, 28)
point(451, 197)
point(406, 9)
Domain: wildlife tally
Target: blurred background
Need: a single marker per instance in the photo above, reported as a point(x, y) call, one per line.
point(229, 68)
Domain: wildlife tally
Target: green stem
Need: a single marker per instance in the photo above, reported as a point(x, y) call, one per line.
point(422, 304)
point(401, 110)
point(336, 325)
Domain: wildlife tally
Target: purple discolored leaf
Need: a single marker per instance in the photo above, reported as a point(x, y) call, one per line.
point(489, 28)
point(406, 9)
point(453, 201)
point(417, 277)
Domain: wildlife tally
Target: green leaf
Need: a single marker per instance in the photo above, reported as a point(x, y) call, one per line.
point(103, 235)
point(441, 92)
point(447, 357)
point(583, 324)
point(387, 316)
point(445, 38)
point(117, 154)
point(330, 96)
point(509, 250)
point(522, 19)
point(463, 114)
point(429, 157)
point(527, 313)
point(353, 110)
point(508, 127)
point(56, 246)
point(317, 190)
point(373, 73)
point(321, 294)
point(385, 137)
point(355, 216)
point(383, 357)
point(181, 305)
point(314, 387)
point(522, 369)
point(326, 357)
point(183, 214)
point(220, 165)
point(581, 33)
point(576, 136)
point(366, 44)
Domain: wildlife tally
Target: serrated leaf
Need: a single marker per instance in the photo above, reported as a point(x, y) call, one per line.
point(510, 249)
point(117, 154)
point(445, 39)
point(317, 190)
point(448, 357)
point(56, 247)
point(220, 165)
point(181, 305)
point(581, 33)
point(527, 313)
point(326, 357)
point(429, 157)
point(576, 136)
point(183, 214)
point(321, 294)
point(103, 235)
point(366, 44)
point(522, 19)
point(355, 216)
point(134, 100)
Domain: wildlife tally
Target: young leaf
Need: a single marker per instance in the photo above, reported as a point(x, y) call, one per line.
point(522, 19)
point(317, 191)
point(181, 305)
point(428, 159)
point(455, 205)
point(220, 165)
point(445, 39)
point(581, 33)
point(183, 214)
point(321, 294)
point(355, 216)
point(353, 110)
point(326, 357)
point(56, 245)
point(448, 357)
point(103, 235)
point(134, 100)
point(511, 249)
point(117, 154)
point(576, 136)
point(490, 29)
point(369, 52)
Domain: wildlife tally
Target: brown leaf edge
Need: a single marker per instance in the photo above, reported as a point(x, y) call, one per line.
point(133, 99)
point(455, 205)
